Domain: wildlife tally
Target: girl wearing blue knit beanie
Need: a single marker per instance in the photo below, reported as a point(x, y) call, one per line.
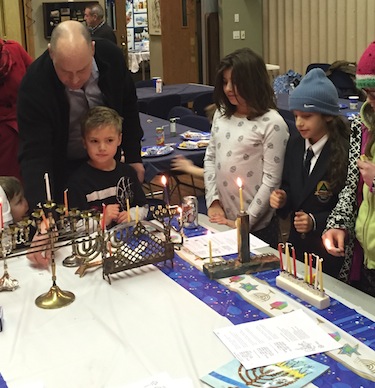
point(314, 168)
point(350, 227)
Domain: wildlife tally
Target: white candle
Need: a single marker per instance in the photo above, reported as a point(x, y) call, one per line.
point(48, 188)
point(210, 250)
point(128, 208)
point(239, 183)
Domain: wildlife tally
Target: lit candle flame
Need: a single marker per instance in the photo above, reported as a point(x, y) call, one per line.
point(239, 182)
point(164, 180)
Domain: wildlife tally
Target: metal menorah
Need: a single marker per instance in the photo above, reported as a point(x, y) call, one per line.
point(126, 246)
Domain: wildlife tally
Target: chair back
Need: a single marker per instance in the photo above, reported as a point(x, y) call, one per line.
point(146, 83)
point(179, 111)
point(160, 106)
point(323, 66)
point(201, 102)
point(197, 122)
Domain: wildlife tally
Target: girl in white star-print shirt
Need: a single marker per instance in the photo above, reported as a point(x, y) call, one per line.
point(248, 140)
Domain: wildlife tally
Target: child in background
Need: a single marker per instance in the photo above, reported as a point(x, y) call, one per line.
point(15, 206)
point(248, 141)
point(103, 180)
point(315, 166)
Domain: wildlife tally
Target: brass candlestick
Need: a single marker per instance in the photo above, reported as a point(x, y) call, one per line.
point(55, 297)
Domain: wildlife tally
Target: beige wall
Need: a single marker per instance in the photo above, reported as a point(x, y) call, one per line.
point(11, 20)
point(250, 21)
point(299, 32)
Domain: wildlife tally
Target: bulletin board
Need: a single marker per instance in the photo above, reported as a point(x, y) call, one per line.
point(55, 13)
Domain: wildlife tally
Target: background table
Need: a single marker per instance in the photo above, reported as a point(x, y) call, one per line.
point(161, 164)
point(187, 91)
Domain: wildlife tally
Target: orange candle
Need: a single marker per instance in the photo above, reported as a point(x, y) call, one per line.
point(310, 268)
point(66, 206)
point(103, 217)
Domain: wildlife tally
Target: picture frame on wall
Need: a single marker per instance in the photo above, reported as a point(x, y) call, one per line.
point(154, 20)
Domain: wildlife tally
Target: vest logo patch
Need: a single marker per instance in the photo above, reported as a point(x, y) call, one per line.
point(323, 191)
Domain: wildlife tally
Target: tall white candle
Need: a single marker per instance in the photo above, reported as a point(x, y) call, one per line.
point(48, 187)
point(239, 183)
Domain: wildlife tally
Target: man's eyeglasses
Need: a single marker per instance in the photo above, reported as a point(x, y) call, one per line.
point(370, 93)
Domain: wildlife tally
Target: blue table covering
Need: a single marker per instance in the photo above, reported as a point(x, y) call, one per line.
point(231, 305)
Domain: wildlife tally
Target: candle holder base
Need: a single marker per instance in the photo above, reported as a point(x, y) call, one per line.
point(257, 263)
point(72, 261)
point(305, 291)
point(54, 298)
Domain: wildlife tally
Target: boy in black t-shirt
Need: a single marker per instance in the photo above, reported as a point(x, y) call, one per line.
point(103, 180)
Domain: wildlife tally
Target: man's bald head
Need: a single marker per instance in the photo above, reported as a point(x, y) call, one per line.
point(71, 32)
point(71, 50)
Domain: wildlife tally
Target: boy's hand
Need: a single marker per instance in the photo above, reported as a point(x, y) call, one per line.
point(39, 252)
point(122, 217)
point(111, 213)
point(278, 199)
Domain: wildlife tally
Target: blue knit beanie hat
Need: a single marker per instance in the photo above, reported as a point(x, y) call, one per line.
point(315, 94)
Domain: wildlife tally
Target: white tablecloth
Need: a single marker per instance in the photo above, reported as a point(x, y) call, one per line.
point(135, 59)
point(111, 335)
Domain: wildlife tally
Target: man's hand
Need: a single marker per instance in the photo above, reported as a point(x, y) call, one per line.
point(334, 241)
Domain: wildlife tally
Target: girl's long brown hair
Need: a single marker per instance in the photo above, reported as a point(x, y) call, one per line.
point(250, 77)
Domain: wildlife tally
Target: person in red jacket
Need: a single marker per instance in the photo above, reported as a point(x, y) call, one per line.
point(14, 61)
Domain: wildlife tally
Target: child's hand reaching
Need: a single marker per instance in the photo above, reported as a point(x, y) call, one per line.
point(39, 252)
point(112, 213)
point(278, 199)
point(216, 215)
point(122, 217)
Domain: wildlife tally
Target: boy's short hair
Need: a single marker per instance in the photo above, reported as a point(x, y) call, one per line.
point(100, 116)
point(11, 185)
